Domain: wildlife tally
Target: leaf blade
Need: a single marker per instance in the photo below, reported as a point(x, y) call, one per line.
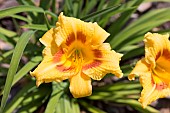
point(19, 9)
point(14, 65)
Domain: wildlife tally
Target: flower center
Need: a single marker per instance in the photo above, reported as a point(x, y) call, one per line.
point(75, 55)
point(161, 73)
point(77, 58)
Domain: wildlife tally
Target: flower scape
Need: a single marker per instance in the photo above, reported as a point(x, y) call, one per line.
point(74, 50)
point(154, 69)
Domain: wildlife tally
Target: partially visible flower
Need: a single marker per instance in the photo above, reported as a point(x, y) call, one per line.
point(154, 68)
point(75, 50)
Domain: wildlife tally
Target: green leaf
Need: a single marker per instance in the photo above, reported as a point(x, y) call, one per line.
point(133, 53)
point(117, 25)
point(34, 99)
point(36, 27)
point(89, 5)
point(5, 55)
point(17, 26)
point(63, 106)
point(156, 1)
point(54, 99)
point(118, 86)
point(114, 10)
point(45, 4)
point(115, 91)
point(135, 104)
point(7, 33)
point(26, 2)
point(135, 40)
point(21, 18)
point(127, 68)
point(91, 108)
point(2, 37)
point(10, 40)
point(19, 9)
point(75, 106)
point(53, 15)
point(46, 21)
point(115, 2)
point(33, 105)
point(128, 48)
point(53, 11)
point(19, 97)
point(23, 71)
point(101, 4)
point(69, 7)
point(18, 51)
point(164, 31)
point(78, 10)
point(110, 96)
point(53, 6)
point(140, 26)
point(31, 15)
point(75, 8)
point(59, 102)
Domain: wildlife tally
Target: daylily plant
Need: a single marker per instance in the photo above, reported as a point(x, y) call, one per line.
point(154, 69)
point(75, 50)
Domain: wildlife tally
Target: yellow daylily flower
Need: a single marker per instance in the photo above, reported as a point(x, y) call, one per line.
point(154, 68)
point(75, 50)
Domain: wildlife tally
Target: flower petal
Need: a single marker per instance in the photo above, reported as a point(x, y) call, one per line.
point(162, 68)
point(55, 55)
point(80, 85)
point(53, 68)
point(48, 38)
point(151, 91)
point(70, 29)
point(155, 44)
point(105, 61)
point(154, 68)
point(141, 68)
point(100, 35)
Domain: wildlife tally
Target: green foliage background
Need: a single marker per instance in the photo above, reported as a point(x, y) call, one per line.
point(126, 37)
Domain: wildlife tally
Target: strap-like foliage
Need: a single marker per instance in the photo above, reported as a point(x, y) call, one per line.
point(18, 51)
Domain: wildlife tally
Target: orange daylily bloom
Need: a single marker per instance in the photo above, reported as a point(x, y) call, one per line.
point(75, 50)
point(154, 68)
